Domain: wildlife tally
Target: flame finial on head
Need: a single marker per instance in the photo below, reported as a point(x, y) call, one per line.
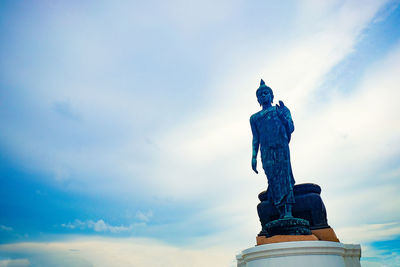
point(262, 82)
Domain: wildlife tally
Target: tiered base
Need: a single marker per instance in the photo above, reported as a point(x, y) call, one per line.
point(301, 254)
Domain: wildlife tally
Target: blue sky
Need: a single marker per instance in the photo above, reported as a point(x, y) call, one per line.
point(125, 125)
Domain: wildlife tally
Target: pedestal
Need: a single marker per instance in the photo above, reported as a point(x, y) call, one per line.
point(308, 206)
point(288, 226)
point(301, 254)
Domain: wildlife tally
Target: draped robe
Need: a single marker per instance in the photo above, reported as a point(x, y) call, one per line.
point(273, 129)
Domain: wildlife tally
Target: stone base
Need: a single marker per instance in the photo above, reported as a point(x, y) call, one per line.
point(301, 254)
point(262, 240)
point(325, 234)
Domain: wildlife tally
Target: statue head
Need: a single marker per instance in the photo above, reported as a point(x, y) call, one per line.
point(264, 93)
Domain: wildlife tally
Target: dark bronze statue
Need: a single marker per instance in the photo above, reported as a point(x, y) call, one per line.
point(272, 128)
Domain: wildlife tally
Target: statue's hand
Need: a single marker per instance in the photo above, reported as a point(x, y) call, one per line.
point(282, 109)
point(254, 165)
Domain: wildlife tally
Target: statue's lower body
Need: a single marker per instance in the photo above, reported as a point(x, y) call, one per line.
point(277, 167)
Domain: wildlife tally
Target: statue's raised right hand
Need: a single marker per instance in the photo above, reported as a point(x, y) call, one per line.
point(254, 165)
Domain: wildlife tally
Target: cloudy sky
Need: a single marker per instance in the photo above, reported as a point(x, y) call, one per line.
point(125, 137)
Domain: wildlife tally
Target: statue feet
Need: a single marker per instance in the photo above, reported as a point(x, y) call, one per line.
point(285, 211)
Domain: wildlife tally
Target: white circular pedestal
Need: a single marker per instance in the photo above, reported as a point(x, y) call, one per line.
point(302, 253)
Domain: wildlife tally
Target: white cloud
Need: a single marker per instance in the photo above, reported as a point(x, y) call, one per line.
point(368, 233)
point(144, 216)
point(76, 224)
point(99, 226)
point(14, 263)
point(83, 251)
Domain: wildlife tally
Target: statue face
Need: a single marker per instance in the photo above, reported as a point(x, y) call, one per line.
point(264, 97)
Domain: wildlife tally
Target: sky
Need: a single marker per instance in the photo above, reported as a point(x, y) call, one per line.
point(125, 136)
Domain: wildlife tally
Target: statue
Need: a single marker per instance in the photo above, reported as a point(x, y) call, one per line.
point(272, 128)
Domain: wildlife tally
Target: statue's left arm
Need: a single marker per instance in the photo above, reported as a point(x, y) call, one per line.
point(286, 118)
